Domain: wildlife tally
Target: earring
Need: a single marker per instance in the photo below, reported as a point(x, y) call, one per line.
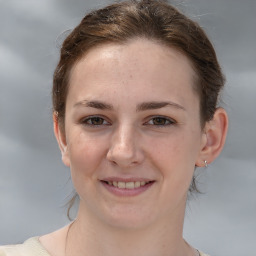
point(205, 163)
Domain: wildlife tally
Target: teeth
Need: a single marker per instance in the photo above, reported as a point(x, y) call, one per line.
point(142, 183)
point(136, 184)
point(121, 184)
point(127, 185)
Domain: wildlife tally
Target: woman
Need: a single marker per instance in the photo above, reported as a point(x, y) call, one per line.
point(135, 111)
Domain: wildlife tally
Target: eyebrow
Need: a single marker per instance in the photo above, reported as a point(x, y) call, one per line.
point(140, 107)
point(157, 105)
point(94, 104)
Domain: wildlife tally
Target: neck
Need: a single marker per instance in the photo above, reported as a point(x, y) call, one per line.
point(89, 236)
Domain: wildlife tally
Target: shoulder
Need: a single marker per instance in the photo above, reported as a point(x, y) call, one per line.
point(30, 247)
point(201, 254)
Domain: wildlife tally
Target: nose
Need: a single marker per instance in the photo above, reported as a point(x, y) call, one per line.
point(124, 149)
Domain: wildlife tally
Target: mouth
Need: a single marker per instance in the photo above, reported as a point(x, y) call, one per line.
point(127, 185)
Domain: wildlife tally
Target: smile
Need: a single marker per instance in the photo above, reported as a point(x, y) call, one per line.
point(127, 185)
point(127, 188)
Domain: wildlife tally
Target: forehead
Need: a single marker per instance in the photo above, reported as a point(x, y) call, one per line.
point(135, 66)
point(135, 50)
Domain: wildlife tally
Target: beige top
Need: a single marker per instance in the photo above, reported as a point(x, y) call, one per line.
point(31, 247)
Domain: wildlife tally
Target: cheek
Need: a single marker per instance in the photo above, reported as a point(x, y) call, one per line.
point(170, 149)
point(176, 154)
point(86, 154)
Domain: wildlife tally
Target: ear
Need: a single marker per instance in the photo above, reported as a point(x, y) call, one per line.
point(214, 137)
point(61, 139)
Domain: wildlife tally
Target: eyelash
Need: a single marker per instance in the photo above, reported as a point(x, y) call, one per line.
point(167, 121)
point(89, 121)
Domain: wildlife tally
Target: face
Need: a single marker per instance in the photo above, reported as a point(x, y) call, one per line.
point(132, 132)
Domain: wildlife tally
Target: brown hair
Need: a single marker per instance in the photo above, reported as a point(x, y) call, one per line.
point(152, 19)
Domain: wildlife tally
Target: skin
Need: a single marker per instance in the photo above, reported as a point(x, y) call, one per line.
point(123, 137)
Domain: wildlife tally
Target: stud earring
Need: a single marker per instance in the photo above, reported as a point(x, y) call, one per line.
point(205, 163)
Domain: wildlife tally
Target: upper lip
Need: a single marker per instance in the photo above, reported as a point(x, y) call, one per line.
point(122, 179)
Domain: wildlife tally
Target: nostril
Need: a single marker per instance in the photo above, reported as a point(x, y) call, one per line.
point(113, 162)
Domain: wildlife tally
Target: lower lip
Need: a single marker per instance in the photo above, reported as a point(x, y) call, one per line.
point(127, 192)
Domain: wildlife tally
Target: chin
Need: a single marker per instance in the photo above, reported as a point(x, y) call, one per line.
point(128, 218)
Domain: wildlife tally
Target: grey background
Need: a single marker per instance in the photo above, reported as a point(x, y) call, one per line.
point(35, 185)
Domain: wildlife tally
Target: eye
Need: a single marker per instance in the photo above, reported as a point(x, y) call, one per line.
point(95, 121)
point(160, 121)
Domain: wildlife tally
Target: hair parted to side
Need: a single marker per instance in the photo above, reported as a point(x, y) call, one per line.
point(151, 19)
